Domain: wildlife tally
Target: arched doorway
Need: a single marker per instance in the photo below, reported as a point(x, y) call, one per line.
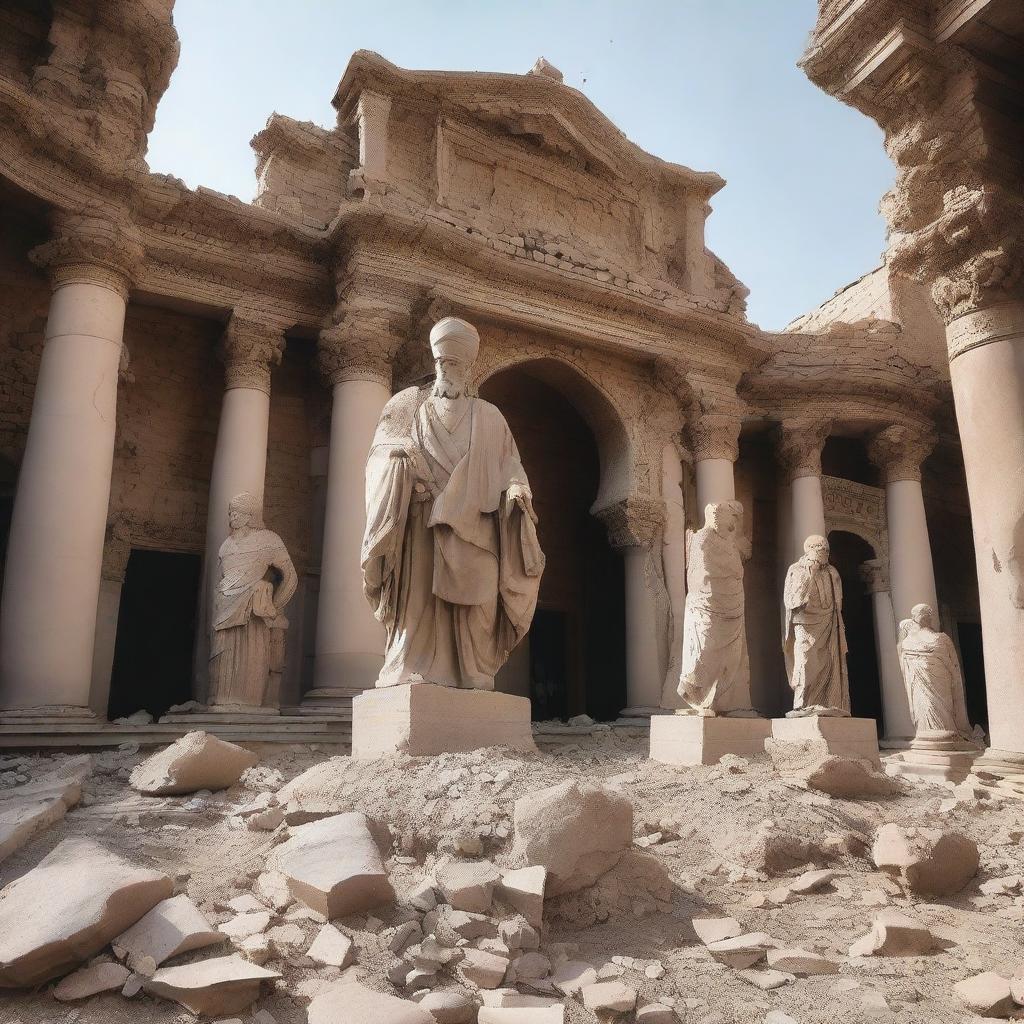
point(573, 660)
point(848, 553)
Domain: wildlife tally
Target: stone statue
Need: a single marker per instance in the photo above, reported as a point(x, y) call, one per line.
point(814, 638)
point(256, 581)
point(451, 561)
point(931, 674)
point(715, 675)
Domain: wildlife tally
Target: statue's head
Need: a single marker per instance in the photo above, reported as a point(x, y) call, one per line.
point(454, 344)
point(723, 516)
point(245, 509)
point(817, 547)
point(924, 615)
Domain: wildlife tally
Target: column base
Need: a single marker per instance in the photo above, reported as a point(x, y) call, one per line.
point(701, 739)
point(844, 736)
point(935, 757)
point(323, 699)
point(423, 719)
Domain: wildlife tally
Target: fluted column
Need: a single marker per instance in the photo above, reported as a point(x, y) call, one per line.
point(896, 720)
point(355, 358)
point(635, 527)
point(55, 550)
point(799, 444)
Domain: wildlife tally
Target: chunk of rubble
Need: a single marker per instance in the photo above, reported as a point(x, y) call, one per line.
point(67, 908)
point(811, 881)
point(468, 885)
point(741, 951)
point(225, 984)
point(90, 981)
point(766, 980)
point(987, 994)
point(576, 830)
point(242, 926)
point(172, 927)
point(521, 1015)
point(894, 934)
point(808, 763)
point(334, 866)
point(449, 1007)
point(331, 948)
point(773, 851)
point(348, 1002)
point(572, 976)
point(800, 962)
point(196, 761)
point(272, 888)
point(483, 969)
point(929, 861)
point(523, 890)
point(714, 929)
point(606, 998)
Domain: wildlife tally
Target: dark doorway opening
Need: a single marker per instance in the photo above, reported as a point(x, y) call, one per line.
point(577, 651)
point(8, 478)
point(969, 635)
point(848, 553)
point(156, 629)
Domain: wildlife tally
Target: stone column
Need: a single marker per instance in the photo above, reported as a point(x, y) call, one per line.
point(799, 445)
point(897, 723)
point(714, 439)
point(355, 359)
point(116, 552)
point(635, 527)
point(248, 349)
point(55, 551)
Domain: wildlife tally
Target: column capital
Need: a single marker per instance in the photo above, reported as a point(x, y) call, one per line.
point(633, 522)
point(798, 445)
point(98, 247)
point(899, 449)
point(248, 348)
point(713, 424)
point(875, 576)
point(362, 344)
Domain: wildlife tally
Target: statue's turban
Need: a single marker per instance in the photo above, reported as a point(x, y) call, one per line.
point(454, 339)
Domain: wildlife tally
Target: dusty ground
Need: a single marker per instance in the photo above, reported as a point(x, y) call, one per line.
point(706, 860)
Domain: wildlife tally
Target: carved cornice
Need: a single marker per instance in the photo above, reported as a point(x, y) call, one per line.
point(633, 522)
point(799, 442)
point(248, 348)
point(898, 450)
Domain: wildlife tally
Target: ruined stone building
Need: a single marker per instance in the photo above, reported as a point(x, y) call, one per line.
point(163, 349)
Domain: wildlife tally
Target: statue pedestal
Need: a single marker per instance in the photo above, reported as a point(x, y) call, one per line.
point(422, 719)
point(846, 737)
point(935, 757)
point(696, 739)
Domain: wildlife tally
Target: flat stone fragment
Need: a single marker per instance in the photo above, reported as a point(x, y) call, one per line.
point(196, 761)
point(68, 907)
point(225, 984)
point(348, 1002)
point(449, 1007)
point(468, 885)
point(741, 950)
point(509, 998)
point(333, 866)
point(89, 981)
point(331, 947)
point(800, 962)
point(523, 890)
point(245, 925)
point(894, 934)
point(987, 994)
point(811, 881)
point(572, 976)
point(172, 927)
point(483, 969)
point(656, 1013)
point(767, 980)
point(607, 997)
point(929, 861)
point(521, 1015)
point(714, 929)
point(578, 831)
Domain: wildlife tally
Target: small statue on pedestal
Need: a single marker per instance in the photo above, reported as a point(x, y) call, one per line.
point(256, 579)
point(814, 638)
point(715, 675)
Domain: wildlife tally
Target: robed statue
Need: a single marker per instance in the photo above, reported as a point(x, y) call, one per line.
point(931, 674)
point(814, 638)
point(715, 676)
point(451, 561)
point(255, 580)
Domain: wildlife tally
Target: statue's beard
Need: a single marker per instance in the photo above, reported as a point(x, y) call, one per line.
point(445, 389)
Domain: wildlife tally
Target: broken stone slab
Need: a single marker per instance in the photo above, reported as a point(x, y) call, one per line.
point(272, 888)
point(483, 969)
point(714, 929)
point(508, 998)
point(810, 764)
point(90, 981)
point(196, 761)
point(334, 866)
point(766, 980)
point(606, 998)
point(572, 976)
point(811, 881)
point(225, 984)
point(67, 908)
point(929, 861)
point(172, 927)
point(741, 951)
point(521, 1015)
point(468, 885)
point(800, 962)
point(331, 948)
point(449, 1007)
point(772, 851)
point(523, 890)
point(349, 1002)
point(894, 934)
point(243, 926)
point(577, 830)
point(988, 995)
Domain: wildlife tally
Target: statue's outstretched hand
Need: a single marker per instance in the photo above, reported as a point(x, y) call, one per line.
point(522, 497)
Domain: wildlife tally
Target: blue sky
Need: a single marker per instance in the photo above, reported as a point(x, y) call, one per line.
point(712, 84)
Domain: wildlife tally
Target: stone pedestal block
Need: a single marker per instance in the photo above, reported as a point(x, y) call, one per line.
point(936, 757)
point(846, 737)
point(694, 739)
point(423, 719)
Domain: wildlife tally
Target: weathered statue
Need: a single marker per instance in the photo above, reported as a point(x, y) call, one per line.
point(451, 561)
point(931, 673)
point(256, 579)
point(715, 676)
point(814, 638)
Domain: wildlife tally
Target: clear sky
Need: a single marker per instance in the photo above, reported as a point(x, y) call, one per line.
point(712, 84)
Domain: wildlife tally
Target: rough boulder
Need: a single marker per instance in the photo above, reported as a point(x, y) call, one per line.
point(348, 1002)
point(196, 761)
point(809, 764)
point(929, 861)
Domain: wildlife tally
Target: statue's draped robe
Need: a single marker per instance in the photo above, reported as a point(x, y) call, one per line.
point(933, 679)
point(243, 613)
point(814, 640)
point(715, 672)
point(452, 570)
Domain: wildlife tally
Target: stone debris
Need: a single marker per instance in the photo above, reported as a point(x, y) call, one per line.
point(928, 861)
point(449, 1007)
point(715, 929)
point(606, 998)
point(272, 889)
point(800, 962)
point(334, 866)
point(741, 951)
point(245, 925)
point(572, 976)
point(576, 830)
point(68, 907)
point(349, 1002)
point(521, 1015)
point(91, 980)
point(894, 934)
point(656, 1013)
point(808, 763)
point(988, 995)
point(331, 947)
point(483, 969)
point(196, 762)
point(173, 926)
point(766, 980)
point(811, 881)
point(774, 851)
point(468, 885)
point(523, 890)
point(224, 984)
